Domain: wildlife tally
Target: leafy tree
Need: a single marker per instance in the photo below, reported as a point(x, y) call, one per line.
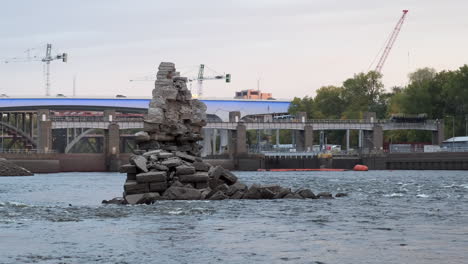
point(329, 102)
point(362, 94)
point(305, 104)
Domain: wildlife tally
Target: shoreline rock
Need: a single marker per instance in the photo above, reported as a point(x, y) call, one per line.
point(9, 169)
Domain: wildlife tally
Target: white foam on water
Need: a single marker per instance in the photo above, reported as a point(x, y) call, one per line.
point(394, 195)
point(422, 195)
point(14, 204)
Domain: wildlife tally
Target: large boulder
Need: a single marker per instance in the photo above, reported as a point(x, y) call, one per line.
point(139, 162)
point(182, 193)
point(306, 193)
point(133, 187)
point(253, 192)
point(184, 169)
point(152, 176)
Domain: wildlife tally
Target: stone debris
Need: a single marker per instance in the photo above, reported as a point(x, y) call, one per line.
point(167, 164)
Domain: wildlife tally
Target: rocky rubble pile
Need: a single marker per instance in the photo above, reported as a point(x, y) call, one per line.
point(167, 164)
point(162, 175)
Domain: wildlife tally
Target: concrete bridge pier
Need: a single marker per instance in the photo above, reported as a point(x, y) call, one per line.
point(299, 139)
point(347, 139)
point(438, 136)
point(112, 147)
point(206, 143)
point(308, 138)
point(214, 139)
point(238, 137)
point(372, 140)
point(223, 140)
point(303, 138)
point(44, 125)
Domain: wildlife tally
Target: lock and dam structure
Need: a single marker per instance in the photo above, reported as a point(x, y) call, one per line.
point(77, 134)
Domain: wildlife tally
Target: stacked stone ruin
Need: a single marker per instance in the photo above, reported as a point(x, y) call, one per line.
point(167, 164)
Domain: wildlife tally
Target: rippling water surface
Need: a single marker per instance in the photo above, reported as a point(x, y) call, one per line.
point(389, 217)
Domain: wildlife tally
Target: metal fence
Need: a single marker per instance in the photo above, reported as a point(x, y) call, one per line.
point(26, 151)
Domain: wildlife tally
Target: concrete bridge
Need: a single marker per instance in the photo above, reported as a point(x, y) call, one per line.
point(36, 129)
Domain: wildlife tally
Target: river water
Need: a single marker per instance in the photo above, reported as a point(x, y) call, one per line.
point(389, 217)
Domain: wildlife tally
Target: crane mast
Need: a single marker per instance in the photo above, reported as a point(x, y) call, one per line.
point(46, 59)
point(390, 42)
point(201, 71)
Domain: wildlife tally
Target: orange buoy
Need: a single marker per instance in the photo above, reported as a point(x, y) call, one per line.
point(360, 168)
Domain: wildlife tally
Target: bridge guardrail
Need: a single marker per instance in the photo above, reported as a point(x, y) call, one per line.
point(94, 119)
point(26, 151)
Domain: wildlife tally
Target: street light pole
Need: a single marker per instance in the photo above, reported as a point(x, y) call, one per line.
point(453, 132)
point(466, 125)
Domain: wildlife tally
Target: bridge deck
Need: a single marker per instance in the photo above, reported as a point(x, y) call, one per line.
point(129, 123)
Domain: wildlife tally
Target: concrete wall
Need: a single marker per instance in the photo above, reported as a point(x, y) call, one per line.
point(60, 162)
point(419, 161)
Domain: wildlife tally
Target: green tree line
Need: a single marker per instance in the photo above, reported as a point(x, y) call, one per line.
point(440, 95)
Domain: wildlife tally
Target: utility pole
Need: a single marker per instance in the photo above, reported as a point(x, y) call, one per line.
point(74, 85)
point(453, 132)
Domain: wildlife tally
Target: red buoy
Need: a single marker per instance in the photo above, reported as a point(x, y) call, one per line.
point(360, 168)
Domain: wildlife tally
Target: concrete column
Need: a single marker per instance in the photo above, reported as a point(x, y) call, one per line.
point(234, 116)
point(301, 117)
point(240, 139)
point(360, 139)
point(223, 140)
point(438, 136)
point(377, 137)
point(277, 138)
point(308, 138)
point(214, 137)
point(206, 133)
point(112, 147)
point(347, 139)
point(322, 140)
point(23, 122)
point(31, 124)
point(43, 115)
point(109, 115)
point(44, 138)
point(370, 117)
point(16, 120)
point(300, 140)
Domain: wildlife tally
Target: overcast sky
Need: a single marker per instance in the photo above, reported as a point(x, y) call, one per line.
point(293, 46)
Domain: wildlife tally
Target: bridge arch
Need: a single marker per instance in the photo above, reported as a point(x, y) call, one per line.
point(72, 143)
point(18, 133)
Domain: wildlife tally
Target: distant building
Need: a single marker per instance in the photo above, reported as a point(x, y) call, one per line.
point(253, 94)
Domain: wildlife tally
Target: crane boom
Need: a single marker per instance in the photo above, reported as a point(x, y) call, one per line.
point(390, 42)
point(47, 59)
